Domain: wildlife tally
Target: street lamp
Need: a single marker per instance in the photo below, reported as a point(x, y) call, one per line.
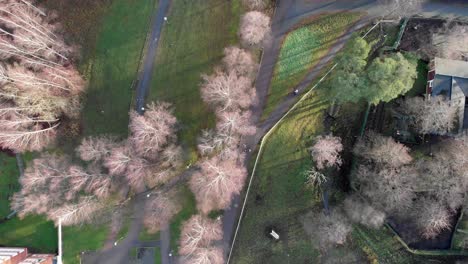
point(59, 257)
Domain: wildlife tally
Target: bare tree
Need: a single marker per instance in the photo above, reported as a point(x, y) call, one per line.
point(160, 209)
point(432, 217)
point(315, 179)
point(452, 42)
point(326, 151)
point(402, 8)
point(254, 28)
point(206, 255)
point(36, 76)
point(228, 91)
point(382, 150)
point(96, 148)
point(391, 188)
point(81, 212)
point(434, 116)
point(216, 182)
point(258, 5)
point(235, 123)
point(199, 232)
point(361, 212)
point(240, 61)
point(439, 177)
point(209, 142)
point(55, 187)
point(327, 230)
point(153, 130)
point(119, 159)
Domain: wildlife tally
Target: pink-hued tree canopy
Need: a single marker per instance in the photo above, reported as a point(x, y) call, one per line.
point(216, 182)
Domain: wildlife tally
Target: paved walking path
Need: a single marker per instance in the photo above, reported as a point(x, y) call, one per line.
point(145, 78)
point(120, 253)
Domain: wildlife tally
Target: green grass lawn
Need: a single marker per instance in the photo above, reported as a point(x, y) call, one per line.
point(77, 239)
point(8, 182)
point(279, 197)
point(301, 51)
point(189, 208)
point(33, 232)
point(113, 66)
point(191, 44)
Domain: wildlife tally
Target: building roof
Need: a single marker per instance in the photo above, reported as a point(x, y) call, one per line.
point(8, 253)
point(453, 68)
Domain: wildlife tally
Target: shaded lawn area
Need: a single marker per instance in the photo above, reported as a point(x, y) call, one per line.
point(77, 239)
point(9, 184)
point(302, 49)
point(279, 197)
point(113, 66)
point(33, 232)
point(191, 44)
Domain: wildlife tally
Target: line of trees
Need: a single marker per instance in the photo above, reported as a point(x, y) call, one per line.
point(59, 187)
point(39, 85)
point(429, 190)
point(221, 173)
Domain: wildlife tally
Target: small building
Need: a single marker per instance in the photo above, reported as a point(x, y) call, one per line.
point(449, 78)
point(21, 256)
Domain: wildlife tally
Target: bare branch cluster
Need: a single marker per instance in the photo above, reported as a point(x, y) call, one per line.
point(54, 186)
point(452, 42)
point(258, 5)
point(382, 150)
point(153, 130)
point(38, 84)
point(361, 212)
point(254, 28)
point(326, 151)
point(327, 230)
point(197, 241)
point(434, 116)
point(160, 209)
point(432, 189)
point(216, 182)
point(402, 8)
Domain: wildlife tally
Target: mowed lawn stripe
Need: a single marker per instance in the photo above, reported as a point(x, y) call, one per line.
point(302, 49)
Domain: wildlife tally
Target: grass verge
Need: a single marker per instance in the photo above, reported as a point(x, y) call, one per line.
point(77, 239)
point(302, 49)
point(33, 232)
point(189, 208)
point(9, 184)
point(191, 44)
